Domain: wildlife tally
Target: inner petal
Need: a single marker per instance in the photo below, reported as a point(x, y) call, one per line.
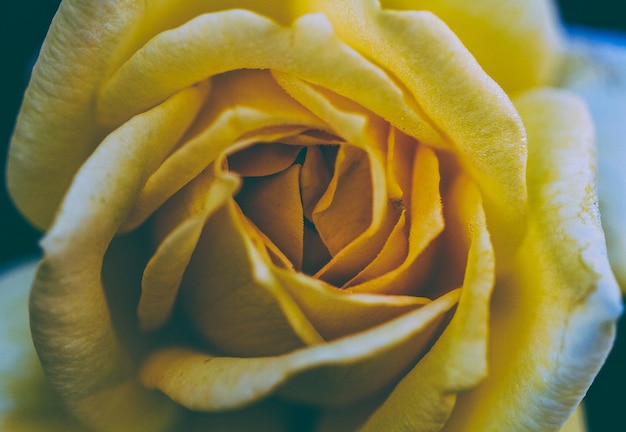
point(315, 177)
point(273, 204)
point(345, 209)
point(263, 159)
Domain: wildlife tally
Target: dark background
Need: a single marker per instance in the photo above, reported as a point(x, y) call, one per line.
point(23, 28)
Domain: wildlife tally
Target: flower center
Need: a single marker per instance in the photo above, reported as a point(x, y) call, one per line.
point(307, 200)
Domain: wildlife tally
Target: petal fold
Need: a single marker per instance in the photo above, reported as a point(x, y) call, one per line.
point(553, 320)
point(55, 131)
point(595, 70)
point(425, 397)
point(477, 118)
point(71, 322)
point(517, 43)
point(339, 372)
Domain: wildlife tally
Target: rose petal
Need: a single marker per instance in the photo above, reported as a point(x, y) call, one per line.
point(27, 403)
point(390, 258)
point(425, 397)
point(314, 179)
point(245, 107)
point(369, 133)
point(576, 423)
point(70, 319)
point(263, 159)
point(455, 94)
point(197, 50)
point(400, 157)
point(595, 70)
point(517, 43)
point(336, 313)
point(426, 223)
point(348, 198)
point(273, 204)
point(55, 131)
point(554, 319)
point(339, 372)
point(233, 299)
point(165, 269)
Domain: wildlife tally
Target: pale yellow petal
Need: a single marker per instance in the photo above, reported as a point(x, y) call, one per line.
point(314, 180)
point(576, 423)
point(553, 320)
point(369, 133)
point(400, 160)
point(425, 397)
point(596, 71)
point(263, 159)
point(348, 199)
point(55, 131)
point(27, 403)
point(195, 51)
point(337, 313)
point(335, 373)
point(426, 223)
point(70, 317)
point(517, 43)
point(455, 94)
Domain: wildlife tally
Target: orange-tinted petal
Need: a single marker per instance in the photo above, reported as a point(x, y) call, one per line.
point(338, 372)
point(425, 397)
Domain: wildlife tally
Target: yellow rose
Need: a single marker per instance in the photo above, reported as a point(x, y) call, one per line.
point(336, 215)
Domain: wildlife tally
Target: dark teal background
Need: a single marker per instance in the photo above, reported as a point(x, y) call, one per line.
point(24, 23)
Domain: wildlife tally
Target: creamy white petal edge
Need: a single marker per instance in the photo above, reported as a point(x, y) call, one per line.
point(595, 69)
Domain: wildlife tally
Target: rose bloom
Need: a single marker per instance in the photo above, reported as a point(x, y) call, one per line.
point(323, 215)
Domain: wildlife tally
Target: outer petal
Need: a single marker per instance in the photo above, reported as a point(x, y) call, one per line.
point(55, 130)
point(455, 94)
point(27, 403)
point(337, 373)
point(596, 70)
point(553, 320)
point(70, 318)
point(424, 398)
point(516, 42)
point(176, 59)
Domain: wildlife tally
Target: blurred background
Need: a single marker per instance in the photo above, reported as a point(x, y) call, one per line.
point(24, 26)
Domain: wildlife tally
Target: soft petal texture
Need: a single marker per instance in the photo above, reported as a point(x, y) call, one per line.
point(425, 397)
point(426, 223)
point(339, 372)
point(562, 292)
point(232, 298)
point(244, 107)
point(516, 42)
point(596, 70)
point(178, 58)
point(59, 108)
point(164, 272)
point(367, 132)
point(454, 93)
point(70, 319)
point(177, 98)
point(27, 403)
